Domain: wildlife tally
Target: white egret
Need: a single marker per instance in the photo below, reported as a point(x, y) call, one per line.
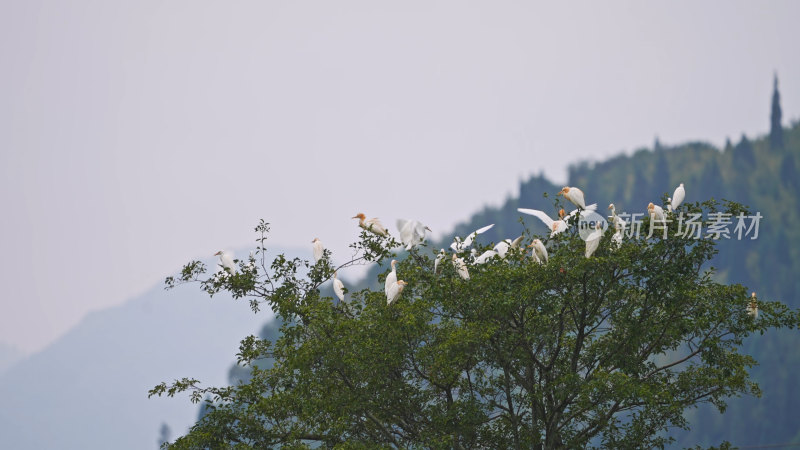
point(460, 245)
point(394, 292)
point(318, 249)
point(535, 256)
point(616, 238)
point(226, 261)
point(412, 232)
point(374, 225)
point(619, 226)
point(338, 287)
point(438, 260)
point(677, 197)
point(555, 226)
point(656, 212)
point(505, 245)
point(539, 251)
point(593, 240)
point(617, 221)
point(461, 268)
point(391, 278)
point(752, 307)
point(560, 225)
point(485, 256)
point(251, 261)
point(574, 195)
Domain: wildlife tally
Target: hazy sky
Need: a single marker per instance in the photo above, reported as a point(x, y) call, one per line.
point(135, 136)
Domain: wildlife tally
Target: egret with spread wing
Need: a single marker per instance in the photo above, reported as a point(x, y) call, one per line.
point(412, 232)
point(460, 245)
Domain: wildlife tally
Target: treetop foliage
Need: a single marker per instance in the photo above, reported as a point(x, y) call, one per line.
point(606, 351)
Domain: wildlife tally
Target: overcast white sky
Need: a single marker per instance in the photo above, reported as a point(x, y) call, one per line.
point(135, 136)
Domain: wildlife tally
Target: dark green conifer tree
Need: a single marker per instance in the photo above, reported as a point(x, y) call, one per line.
point(776, 130)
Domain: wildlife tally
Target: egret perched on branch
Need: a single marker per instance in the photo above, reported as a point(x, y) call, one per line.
point(505, 245)
point(574, 195)
point(374, 225)
point(539, 251)
point(752, 307)
point(459, 245)
point(619, 226)
point(394, 291)
point(555, 226)
point(560, 225)
point(318, 249)
point(485, 256)
point(338, 287)
point(226, 261)
point(391, 278)
point(439, 259)
point(656, 212)
point(593, 240)
point(412, 232)
point(618, 221)
point(677, 198)
point(461, 268)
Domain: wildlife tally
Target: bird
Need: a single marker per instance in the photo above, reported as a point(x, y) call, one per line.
point(438, 260)
point(226, 261)
point(752, 307)
point(616, 238)
point(505, 245)
point(391, 278)
point(618, 221)
point(539, 251)
point(251, 261)
point(318, 250)
point(374, 225)
point(619, 226)
point(656, 212)
point(412, 232)
point(574, 195)
point(460, 245)
point(557, 226)
point(535, 257)
point(338, 287)
point(677, 198)
point(461, 268)
point(593, 240)
point(485, 256)
point(394, 291)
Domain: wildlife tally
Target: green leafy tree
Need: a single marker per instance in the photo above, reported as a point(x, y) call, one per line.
point(603, 351)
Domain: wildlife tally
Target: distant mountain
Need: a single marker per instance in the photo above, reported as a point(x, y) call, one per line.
point(8, 356)
point(89, 389)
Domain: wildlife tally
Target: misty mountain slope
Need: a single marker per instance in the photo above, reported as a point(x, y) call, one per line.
point(8, 357)
point(89, 389)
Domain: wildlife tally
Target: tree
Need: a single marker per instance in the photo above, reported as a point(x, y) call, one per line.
point(775, 130)
point(164, 434)
point(743, 154)
point(605, 351)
